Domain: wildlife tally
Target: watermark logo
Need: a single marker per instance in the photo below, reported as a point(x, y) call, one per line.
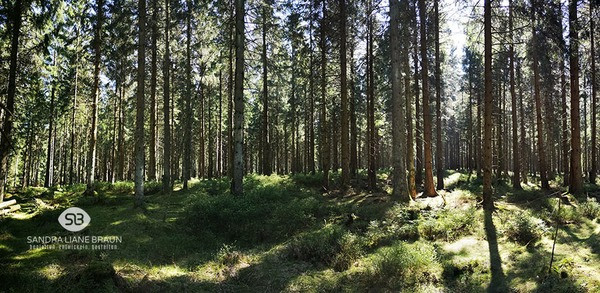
point(74, 219)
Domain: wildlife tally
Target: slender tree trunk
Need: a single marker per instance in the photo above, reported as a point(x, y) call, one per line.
point(266, 148)
point(439, 148)
point(410, 151)
point(324, 127)
point(91, 159)
point(7, 125)
point(372, 134)
point(400, 190)
point(220, 128)
point(594, 113)
point(345, 135)
point(50, 157)
point(524, 146)
point(429, 188)
point(488, 203)
point(513, 95)
point(152, 157)
point(576, 185)
point(166, 108)
point(238, 166)
point(187, 127)
point(311, 128)
point(353, 126)
point(74, 112)
point(139, 113)
point(230, 94)
point(418, 132)
point(538, 104)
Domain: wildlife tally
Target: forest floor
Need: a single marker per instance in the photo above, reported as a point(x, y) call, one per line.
point(285, 234)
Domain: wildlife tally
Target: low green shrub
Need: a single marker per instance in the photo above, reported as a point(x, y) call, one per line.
point(399, 223)
point(448, 224)
point(266, 213)
point(590, 208)
point(405, 265)
point(228, 256)
point(566, 215)
point(331, 245)
point(122, 187)
point(525, 229)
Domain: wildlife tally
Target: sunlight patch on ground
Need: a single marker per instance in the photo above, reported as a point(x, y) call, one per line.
point(51, 271)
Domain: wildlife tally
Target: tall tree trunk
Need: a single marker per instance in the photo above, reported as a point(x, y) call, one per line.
point(538, 103)
point(576, 185)
point(325, 160)
point(353, 126)
point(238, 165)
point(140, 107)
point(152, 157)
point(400, 190)
point(372, 134)
point(311, 128)
point(230, 93)
point(439, 148)
point(91, 159)
point(345, 135)
point(429, 188)
point(524, 146)
point(513, 95)
point(7, 124)
point(488, 203)
point(410, 151)
point(220, 128)
point(166, 108)
point(187, 127)
point(266, 148)
point(50, 156)
point(594, 113)
point(418, 132)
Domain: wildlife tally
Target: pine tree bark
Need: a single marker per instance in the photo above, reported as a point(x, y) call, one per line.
point(429, 188)
point(152, 147)
point(238, 164)
point(513, 95)
point(187, 127)
point(410, 151)
point(91, 159)
point(266, 148)
point(7, 124)
point(538, 103)
point(166, 108)
point(439, 148)
point(399, 184)
point(576, 182)
point(140, 106)
point(488, 203)
point(372, 134)
point(50, 154)
point(345, 135)
point(594, 144)
point(325, 160)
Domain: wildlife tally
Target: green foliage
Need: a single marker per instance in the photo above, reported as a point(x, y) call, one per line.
point(228, 256)
point(448, 224)
point(525, 229)
point(331, 245)
point(267, 212)
point(399, 223)
point(405, 265)
point(566, 215)
point(590, 208)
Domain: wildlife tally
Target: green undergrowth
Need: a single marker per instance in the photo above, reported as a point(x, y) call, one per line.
point(286, 234)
